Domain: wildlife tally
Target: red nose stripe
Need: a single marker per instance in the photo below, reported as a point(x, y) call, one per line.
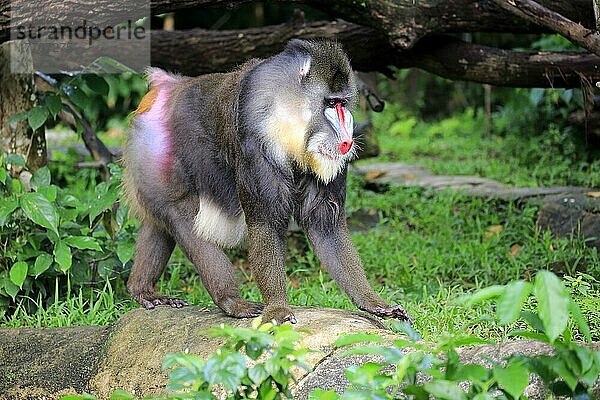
point(342, 117)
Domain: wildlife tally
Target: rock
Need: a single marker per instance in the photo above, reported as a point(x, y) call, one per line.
point(49, 363)
point(141, 338)
point(571, 216)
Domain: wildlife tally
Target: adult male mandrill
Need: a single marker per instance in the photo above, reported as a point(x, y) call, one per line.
point(218, 158)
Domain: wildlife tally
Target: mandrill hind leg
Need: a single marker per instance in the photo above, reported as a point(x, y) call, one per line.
point(216, 272)
point(214, 268)
point(153, 248)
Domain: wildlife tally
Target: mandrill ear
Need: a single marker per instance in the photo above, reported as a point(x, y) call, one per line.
point(300, 50)
point(304, 68)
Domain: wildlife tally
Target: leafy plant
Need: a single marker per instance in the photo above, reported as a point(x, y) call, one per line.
point(99, 91)
point(271, 349)
point(51, 234)
point(427, 370)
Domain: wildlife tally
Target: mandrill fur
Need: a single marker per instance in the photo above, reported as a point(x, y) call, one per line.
point(219, 159)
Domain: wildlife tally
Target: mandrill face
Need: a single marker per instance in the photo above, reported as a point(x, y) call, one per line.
point(309, 120)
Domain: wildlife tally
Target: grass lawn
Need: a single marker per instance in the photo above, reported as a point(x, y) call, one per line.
point(428, 248)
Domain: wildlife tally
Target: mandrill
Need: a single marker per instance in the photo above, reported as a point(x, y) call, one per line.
point(217, 159)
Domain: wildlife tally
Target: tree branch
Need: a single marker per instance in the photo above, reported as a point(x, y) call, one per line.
point(535, 12)
point(451, 58)
point(405, 22)
point(199, 51)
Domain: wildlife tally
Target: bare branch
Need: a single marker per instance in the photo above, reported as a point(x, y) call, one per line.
point(535, 12)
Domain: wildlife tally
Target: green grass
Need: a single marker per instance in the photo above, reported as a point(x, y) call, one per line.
point(97, 307)
point(459, 146)
point(428, 248)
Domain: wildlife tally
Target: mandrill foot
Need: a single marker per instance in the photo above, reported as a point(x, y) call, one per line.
point(396, 312)
point(279, 314)
point(151, 301)
point(239, 308)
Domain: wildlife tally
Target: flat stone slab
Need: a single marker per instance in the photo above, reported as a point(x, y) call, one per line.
point(402, 174)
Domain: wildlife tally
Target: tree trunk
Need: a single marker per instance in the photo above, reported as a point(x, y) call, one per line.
point(17, 94)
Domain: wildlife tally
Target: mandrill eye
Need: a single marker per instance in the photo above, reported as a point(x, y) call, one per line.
point(331, 102)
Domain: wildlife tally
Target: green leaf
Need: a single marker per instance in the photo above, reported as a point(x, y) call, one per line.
point(536, 95)
point(37, 116)
point(125, 250)
point(18, 273)
point(416, 391)
point(49, 192)
point(83, 242)
point(484, 396)
point(78, 97)
point(513, 379)
point(533, 320)
point(510, 303)
point(320, 394)
point(40, 210)
point(121, 395)
point(226, 369)
point(42, 263)
point(560, 368)
point(105, 198)
point(7, 206)
point(53, 103)
point(390, 354)
point(16, 118)
point(70, 201)
point(443, 389)
point(365, 375)
point(62, 255)
point(11, 288)
point(470, 372)
point(14, 159)
point(346, 340)
point(266, 391)
point(97, 84)
point(3, 173)
point(540, 337)
point(580, 320)
point(483, 294)
point(257, 374)
point(40, 178)
point(553, 303)
point(585, 357)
